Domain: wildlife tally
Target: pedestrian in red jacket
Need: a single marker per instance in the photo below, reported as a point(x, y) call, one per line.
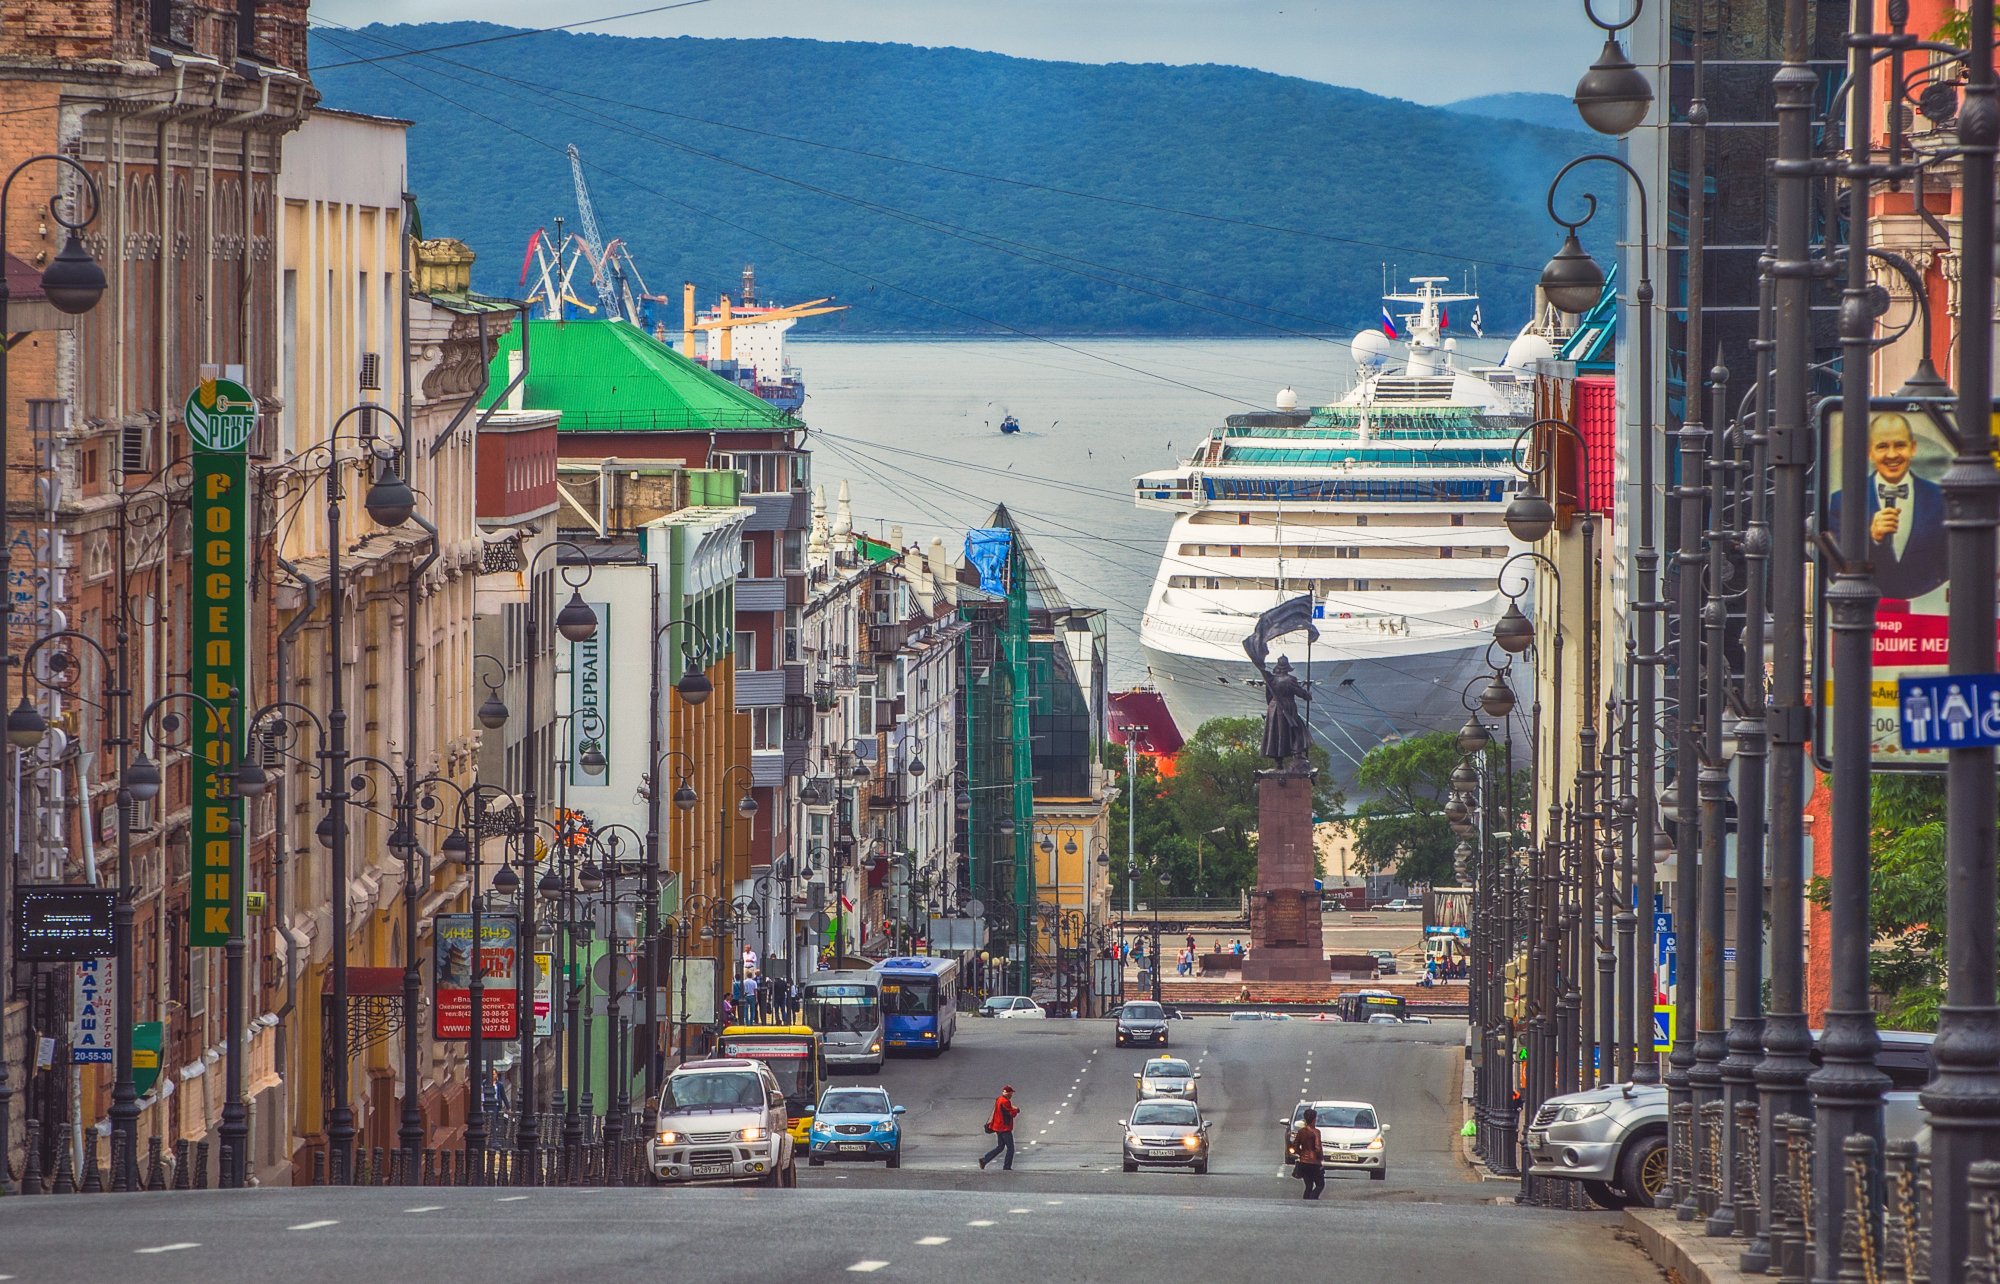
point(1002, 1128)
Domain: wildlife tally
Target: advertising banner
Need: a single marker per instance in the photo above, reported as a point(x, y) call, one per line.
point(57, 924)
point(452, 963)
point(691, 990)
point(1908, 453)
point(148, 1037)
point(544, 998)
point(91, 1028)
point(220, 415)
point(589, 699)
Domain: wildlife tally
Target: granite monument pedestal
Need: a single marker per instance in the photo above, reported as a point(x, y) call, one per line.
point(1285, 939)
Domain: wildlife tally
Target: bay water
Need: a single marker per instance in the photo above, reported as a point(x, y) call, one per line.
point(913, 427)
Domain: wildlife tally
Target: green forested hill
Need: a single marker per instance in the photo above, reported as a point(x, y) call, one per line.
point(946, 190)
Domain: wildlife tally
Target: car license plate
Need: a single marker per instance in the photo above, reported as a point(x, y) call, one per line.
point(711, 1170)
point(1163, 1154)
point(1346, 1159)
point(851, 1145)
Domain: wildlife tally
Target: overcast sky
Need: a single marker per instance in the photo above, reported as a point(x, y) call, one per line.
point(1430, 51)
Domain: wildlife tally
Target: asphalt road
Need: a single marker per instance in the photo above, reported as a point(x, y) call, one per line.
point(1066, 1207)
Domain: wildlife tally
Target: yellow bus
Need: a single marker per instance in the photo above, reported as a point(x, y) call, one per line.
point(794, 1055)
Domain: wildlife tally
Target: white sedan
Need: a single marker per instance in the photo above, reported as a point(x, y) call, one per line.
point(1013, 1005)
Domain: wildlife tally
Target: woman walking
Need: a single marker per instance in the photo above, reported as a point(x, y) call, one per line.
point(1311, 1165)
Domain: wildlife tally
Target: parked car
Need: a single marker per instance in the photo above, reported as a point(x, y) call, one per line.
point(1012, 1005)
point(1385, 962)
point(856, 1123)
point(1166, 1077)
point(722, 1119)
point(1351, 1135)
point(1166, 1134)
point(1398, 905)
point(1141, 1021)
point(1613, 1138)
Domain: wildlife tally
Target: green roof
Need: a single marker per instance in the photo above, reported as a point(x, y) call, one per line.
point(611, 376)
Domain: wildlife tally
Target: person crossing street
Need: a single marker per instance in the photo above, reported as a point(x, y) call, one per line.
point(1001, 1125)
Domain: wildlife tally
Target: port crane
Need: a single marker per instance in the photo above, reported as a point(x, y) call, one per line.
point(613, 275)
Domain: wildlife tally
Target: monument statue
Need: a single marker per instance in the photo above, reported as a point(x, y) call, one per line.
point(1286, 738)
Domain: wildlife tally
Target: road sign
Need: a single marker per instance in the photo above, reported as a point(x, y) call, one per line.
point(1955, 711)
point(1663, 1027)
point(1670, 956)
point(1663, 930)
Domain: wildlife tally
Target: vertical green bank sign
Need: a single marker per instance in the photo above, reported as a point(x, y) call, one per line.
point(220, 415)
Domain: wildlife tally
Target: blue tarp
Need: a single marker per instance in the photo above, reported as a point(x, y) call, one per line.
point(987, 549)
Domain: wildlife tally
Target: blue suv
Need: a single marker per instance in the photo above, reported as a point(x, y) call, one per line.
point(855, 1123)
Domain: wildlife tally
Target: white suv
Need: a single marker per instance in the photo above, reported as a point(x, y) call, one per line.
point(722, 1120)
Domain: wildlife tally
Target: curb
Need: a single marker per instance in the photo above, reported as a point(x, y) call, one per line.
point(1682, 1248)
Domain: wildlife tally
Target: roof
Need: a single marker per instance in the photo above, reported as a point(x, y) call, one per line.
point(1039, 585)
point(611, 376)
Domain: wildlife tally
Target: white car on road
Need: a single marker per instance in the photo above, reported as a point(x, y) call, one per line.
point(1012, 1005)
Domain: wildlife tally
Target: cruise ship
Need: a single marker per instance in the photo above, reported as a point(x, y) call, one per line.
point(1385, 507)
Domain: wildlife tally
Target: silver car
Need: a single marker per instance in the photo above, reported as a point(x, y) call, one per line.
point(1613, 1139)
point(1166, 1133)
point(1167, 1077)
point(722, 1119)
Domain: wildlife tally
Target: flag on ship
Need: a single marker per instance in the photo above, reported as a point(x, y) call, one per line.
point(1286, 617)
point(1477, 332)
point(1388, 323)
point(1444, 318)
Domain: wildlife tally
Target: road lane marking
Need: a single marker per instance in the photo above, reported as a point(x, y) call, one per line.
point(1052, 1203)
point(980, 1223)
point(424, 1208)
point(166, 1248)
point(1020, 1210)
point(932, 1241)
point(867, 1265)
point(509, 1199)
point(318, 1225)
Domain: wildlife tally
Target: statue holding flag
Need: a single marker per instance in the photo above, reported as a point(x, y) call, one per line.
point(1286, 736)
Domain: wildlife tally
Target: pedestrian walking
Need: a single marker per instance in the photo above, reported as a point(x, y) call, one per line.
point(1001, 1125)
point(754, 993)
point(1311, 1165)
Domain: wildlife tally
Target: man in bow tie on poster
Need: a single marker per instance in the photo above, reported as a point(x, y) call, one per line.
point(1906, 538)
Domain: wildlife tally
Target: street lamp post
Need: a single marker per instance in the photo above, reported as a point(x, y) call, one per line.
point(576, 622)
point(1573, 283)
point(73, 283)
point(389, 502)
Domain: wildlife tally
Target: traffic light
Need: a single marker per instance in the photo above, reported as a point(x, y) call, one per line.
point(1514, 975)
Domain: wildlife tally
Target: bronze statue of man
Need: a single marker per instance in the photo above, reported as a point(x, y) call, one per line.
point(1285, 735)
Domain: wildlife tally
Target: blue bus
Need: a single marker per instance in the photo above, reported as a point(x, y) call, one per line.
point(919, 1003)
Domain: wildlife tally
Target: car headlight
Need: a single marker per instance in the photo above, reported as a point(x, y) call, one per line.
point(875, 1046)
point(1192, 1140)
point(668, 1137)
point(752, 1133)
point(1134, 1139)
point(1590, 1110)
point(1375, 1143)
point(819, 1130)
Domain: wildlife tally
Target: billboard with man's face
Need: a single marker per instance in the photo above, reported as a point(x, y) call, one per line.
point(1903, 506)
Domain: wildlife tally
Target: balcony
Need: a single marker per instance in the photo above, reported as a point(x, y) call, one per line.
point(887, 639)
point(889, 793)
point(759, 688)
point(760, 594)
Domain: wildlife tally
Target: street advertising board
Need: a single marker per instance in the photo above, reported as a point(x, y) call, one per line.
point(220, 415)
point(148, 1037)
point(590, 700)
point(1448, 912)
point(691, 990)
point(544, 998)
point(91, 1028)
point(1909, 451)
point(60, 924)
point(452, 963)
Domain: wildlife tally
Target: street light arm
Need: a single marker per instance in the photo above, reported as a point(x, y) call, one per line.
point(1590, 12)
point(1645, 224)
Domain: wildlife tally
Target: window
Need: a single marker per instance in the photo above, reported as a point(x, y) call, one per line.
point(767, 728)
point(1242, 519)
point(746, 560)
point(791, 635)
point(794, 551)
point(746, 650)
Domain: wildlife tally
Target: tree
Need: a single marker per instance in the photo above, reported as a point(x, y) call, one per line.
point(1197, 827)
point(1402, 825)
point(1906, 897)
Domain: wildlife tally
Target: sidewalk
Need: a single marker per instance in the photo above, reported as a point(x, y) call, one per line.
point(1680, 1247)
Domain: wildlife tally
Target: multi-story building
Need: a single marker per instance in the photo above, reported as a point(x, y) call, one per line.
point(176, 110)
point(631, 403)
